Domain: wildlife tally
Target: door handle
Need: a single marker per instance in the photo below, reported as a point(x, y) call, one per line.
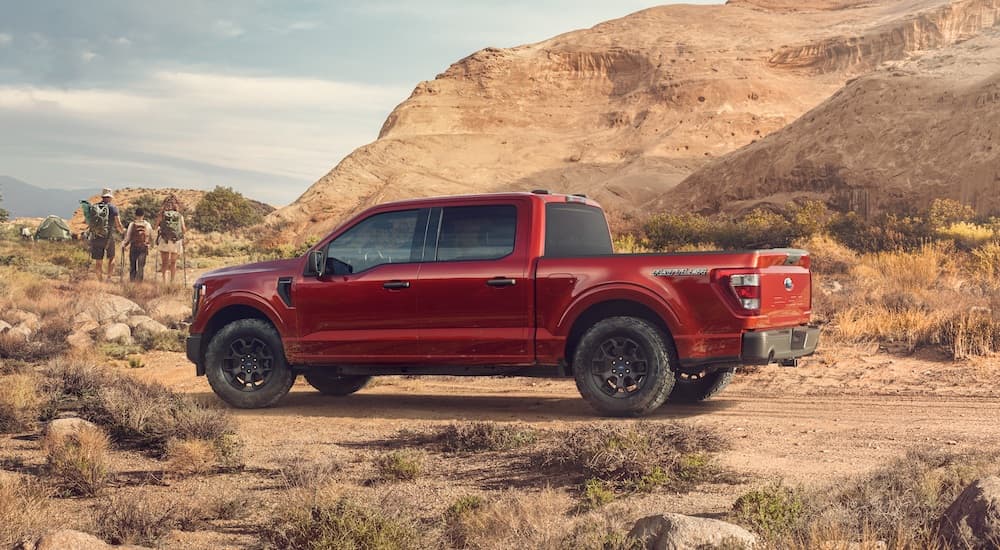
point(501, 281)
point(396, 285)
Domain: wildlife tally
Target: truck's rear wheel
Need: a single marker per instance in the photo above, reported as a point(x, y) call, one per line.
point(245, 364)
point(622, 366)
point(691, 388)
point(334, 384)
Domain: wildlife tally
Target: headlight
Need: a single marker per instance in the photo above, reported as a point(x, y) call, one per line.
point(199, 292)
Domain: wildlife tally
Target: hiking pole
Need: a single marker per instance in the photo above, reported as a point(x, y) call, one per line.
point(121, 266)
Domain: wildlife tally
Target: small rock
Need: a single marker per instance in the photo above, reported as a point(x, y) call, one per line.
point(973, 520)
point(679, 532)
point(62, 427)
point(118, 332)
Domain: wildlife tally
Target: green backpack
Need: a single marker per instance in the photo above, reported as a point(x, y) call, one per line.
point(170, 226)
point(98, 218)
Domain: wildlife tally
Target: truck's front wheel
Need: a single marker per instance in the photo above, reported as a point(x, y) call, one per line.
point(334, 384)
point(245, 364)
point(622, 366)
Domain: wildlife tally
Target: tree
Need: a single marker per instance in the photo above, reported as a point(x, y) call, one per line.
point(149, 204)
point(224, 209)
point(4, 214)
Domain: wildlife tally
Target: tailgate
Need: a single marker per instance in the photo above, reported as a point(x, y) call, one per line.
point(785, 286)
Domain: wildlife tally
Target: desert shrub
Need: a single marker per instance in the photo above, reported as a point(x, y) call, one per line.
point(119, 351)
point(601, 533)
point(301, 472)
point(22, 510)
point(671, 231)
point(884, 232)
point(47, 342)
point(224, 209)
point(230, 507)
point(595, 493)
point(325, 524)
point(189, 456)
point(967, 235)
point(629, 243)
point(972, 333)
point(638, 456)
point(484, 436)
point(405, 465)
point(758, 228)
point(138, 518)
point(826, 255)
point(148, 202)
point(985, 262)
point(171, 340)
point(772, 510)
point(510, 520)
point(77, 461)
point(20, 402)
point(945, 212)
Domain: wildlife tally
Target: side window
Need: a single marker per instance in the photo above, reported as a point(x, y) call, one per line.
point(476, 232)
point(391, 237)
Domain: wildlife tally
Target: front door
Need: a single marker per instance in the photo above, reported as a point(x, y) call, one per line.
point(364, 310)
point(474, 296)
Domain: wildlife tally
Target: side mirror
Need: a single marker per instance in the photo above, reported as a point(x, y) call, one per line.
point(315, 264)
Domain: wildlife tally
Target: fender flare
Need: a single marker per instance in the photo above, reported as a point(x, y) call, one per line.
point(619, 292)
point(248, 299)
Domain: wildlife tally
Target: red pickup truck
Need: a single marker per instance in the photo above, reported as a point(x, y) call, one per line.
point(518, 284)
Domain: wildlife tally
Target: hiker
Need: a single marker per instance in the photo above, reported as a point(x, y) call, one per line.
point(170, 229)
point(138, 237)
point(102, 222)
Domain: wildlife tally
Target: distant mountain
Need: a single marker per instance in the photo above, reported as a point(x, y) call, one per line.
point(24, 200)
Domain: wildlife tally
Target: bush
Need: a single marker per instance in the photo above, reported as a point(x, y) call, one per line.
point(47, 342)
point(150, 205)
point(78, 461)
point(945, 212)
point(190, 456)
point(772, 511)
point(224, 209)
point(137, 518)
point(20, 402)
point(302, 472)
point(638, 456)
point(594, 494)
point(511, 520)
point(22, 510)
point(967, 235)
point(323, 524)
point(485, 436)
point(672, 231)
point(399, 465)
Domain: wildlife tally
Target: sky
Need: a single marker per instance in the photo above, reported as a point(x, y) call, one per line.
point(262, 96)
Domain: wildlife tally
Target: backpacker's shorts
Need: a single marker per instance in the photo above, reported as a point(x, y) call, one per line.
point(100, 247)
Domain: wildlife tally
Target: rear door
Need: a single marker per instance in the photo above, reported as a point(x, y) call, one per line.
point(474, 293)
point(365, 309)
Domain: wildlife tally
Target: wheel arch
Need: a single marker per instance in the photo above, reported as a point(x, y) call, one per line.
point(225, 316)
point(612, 307)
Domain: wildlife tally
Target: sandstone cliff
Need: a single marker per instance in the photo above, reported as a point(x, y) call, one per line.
point(626, 110)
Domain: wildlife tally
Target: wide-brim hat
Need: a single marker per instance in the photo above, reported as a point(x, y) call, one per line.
point(106, 193)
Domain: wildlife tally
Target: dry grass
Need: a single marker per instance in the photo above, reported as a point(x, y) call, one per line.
point(305, 472)
point(78, 462)
point(20, 402)
point(139, 518)
point(900, 504)
point(22, 510)
point(511, 520)
point(47, 342)
point(405, 465)
point(186, 457)
point(323, 521)
point(484, 436)
point(639, 457)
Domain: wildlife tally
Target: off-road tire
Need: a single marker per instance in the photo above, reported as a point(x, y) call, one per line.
point(688, 390)
point(262, 343)
point(335, 384)
point(646, 344)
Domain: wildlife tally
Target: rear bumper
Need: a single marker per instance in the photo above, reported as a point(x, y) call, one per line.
point(194, 353)
point(769, 346)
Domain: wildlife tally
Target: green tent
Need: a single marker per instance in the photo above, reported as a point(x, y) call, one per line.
point(53, 228)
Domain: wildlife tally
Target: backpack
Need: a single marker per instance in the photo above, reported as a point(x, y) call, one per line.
point(170, 226)
point(138, 238)
point(98, 218)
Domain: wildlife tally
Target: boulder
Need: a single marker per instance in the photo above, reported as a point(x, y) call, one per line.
point(136, 320)
point(68, 539)
point(145, 327)
point(21, 332)
point(679, 532)
point(79, 340)
point(169, 309)
point(118, 332)
point(21, 317)
point(110, 308)
point(973, 520)
point(62, 427)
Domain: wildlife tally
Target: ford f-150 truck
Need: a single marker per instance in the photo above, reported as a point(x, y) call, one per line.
point(519, 284)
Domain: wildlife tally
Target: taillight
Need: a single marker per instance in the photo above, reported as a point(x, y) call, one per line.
point(746, 286)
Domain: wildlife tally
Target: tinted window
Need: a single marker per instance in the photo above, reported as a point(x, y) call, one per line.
point(476, 232)
point(386, 238)
point(575, 230)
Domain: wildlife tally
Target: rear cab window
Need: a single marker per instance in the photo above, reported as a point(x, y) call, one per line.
point(476, 232)
point(574, 229)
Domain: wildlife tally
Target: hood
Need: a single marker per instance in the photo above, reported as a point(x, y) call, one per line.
point(259, 267)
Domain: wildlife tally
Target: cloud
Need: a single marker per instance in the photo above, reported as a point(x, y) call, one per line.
point(228, 29)
point(5, 39)
point(268, 136)
point(87, 56)
point(303, 26)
